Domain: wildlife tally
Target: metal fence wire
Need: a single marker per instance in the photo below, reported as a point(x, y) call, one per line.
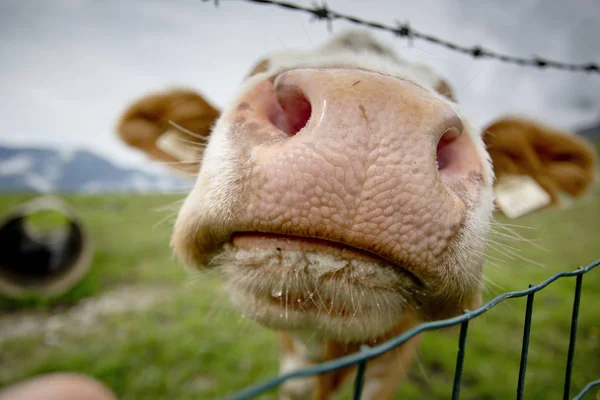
point(404, 30)
point(366, 353)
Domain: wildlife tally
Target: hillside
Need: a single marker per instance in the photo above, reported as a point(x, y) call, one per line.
point(150, 331)
point(43, 170)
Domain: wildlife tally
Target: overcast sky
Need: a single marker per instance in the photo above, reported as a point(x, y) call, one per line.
point(69, 67)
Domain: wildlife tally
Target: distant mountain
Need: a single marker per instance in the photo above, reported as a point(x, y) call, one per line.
point(31, 169)
point(592, 132)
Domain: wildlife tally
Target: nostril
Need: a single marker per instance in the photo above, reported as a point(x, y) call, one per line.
point(294, 109)
point(445, 148)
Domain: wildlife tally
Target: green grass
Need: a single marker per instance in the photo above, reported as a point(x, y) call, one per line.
point(192, 344)
point(47, 221)
point(130, 237)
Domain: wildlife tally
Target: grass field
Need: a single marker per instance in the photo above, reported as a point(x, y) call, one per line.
point(186, 342)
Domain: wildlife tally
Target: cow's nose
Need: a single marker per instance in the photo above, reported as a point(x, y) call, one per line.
point(358, 157)
point(355, 106)
point(298, 91)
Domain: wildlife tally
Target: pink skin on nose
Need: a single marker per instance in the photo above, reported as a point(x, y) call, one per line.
point(362, 170)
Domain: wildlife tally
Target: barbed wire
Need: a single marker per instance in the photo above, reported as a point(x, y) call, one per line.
point(404, 30)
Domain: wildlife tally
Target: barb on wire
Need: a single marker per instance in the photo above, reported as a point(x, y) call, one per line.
point(322, 12)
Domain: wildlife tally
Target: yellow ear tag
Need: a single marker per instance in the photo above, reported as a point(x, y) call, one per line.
point(517, 195)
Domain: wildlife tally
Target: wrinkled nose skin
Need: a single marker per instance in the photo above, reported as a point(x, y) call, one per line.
point(362, 171)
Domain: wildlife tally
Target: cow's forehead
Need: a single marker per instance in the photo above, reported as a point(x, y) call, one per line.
point(351, 49)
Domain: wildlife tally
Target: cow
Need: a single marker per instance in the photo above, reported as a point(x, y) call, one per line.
point(343, 194)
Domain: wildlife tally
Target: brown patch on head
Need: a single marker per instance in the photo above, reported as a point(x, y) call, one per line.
point(445, 90)
point(262, 66)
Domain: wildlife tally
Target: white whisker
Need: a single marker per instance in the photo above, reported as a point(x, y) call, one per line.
point(488, 280)
point(187, 131)
point(192, 143)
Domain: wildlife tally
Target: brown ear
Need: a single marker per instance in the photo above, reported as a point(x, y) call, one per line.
point(557, 160)
point(170, 126)
point(445, 90)
point(569, 159)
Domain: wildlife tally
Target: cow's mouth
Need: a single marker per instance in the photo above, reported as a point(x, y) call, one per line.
point(345, 259)
point(289, 282)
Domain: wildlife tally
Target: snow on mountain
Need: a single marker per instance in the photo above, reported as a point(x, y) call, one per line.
point(44, 170)
point(17, 164)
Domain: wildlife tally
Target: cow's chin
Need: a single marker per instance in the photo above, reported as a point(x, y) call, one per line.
point(298, 284)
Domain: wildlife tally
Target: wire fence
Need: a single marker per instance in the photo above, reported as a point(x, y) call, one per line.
point(367, 353)
point(404, 30)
